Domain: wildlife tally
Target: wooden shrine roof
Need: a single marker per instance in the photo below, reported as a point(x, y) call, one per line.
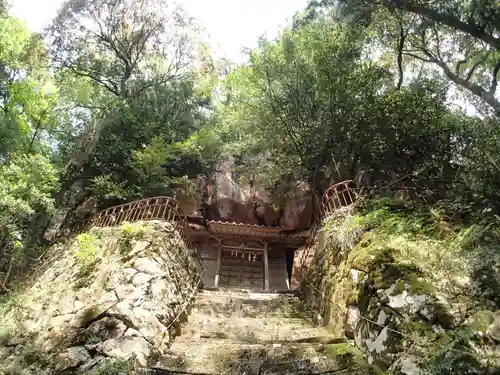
point(224, 228)
point(221, 227)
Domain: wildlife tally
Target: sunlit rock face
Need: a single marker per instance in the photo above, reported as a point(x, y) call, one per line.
point(223, 198)
point(114, 294)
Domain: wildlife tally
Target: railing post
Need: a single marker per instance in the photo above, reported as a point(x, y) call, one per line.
point(217, 271)
point(266, 268)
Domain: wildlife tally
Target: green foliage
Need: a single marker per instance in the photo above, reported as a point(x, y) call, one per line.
point(459, 37)
point(86, 250)
point(311, 108)
point(116, 367)
point(107, 187)
point(121, 118)
point(454, 355)
point(343, 231)
point(424, 249)
point(149, 164)
point(27, 183)
point(133, 230)
point(26, 93)
point(289, 128)
point(111, 124)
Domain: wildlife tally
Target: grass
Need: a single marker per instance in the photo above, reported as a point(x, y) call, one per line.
point(116, 367)
point(87, 249)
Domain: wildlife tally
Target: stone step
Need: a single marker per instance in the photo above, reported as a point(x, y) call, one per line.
point(222, 341)
point(226, 311)
point(250, 324)
point(207, 316)
point(239, 333)
point(255, 300)
point(220, 291)
point(238, 359)
point(282, 304)
point(247, 294)
point(251, 331)
point(250, 304)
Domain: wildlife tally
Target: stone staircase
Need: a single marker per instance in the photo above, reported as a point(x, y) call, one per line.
point(242, 333)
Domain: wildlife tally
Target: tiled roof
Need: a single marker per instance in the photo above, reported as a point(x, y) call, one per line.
point(243, 225)
point(234, 228)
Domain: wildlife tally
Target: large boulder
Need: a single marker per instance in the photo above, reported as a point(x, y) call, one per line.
point(224, 197)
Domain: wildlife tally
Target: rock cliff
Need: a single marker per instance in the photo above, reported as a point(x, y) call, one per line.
point(111, 297)
point(226, 197)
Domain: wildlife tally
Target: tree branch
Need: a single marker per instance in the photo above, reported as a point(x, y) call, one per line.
point(458, 65)
point(472, 29)
point(494, 82)
point(477, 90)
point(438, 41)
point(109, 85)
point(418, 57)
point(472, 69)
point(401, 44)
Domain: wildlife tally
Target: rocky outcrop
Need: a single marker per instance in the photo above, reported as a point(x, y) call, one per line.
point(224, 197)
point(115, 295)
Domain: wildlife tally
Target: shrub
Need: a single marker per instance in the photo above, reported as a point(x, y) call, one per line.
point(86, 250)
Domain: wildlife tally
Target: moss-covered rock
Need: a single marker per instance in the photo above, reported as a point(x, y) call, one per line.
point(404, 290)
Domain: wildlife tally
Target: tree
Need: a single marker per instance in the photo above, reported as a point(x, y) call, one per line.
point(459, 37)
point(27, 95)
point(294, 88)
point(26, 186)
point(312, 108)
point(125, 47)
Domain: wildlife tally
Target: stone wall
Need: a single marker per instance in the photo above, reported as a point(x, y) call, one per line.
point(113, 294)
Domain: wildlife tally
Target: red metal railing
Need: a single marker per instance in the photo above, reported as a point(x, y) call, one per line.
point(156, 208)
point(339, 195)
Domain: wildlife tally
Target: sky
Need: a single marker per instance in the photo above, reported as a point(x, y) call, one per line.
point(231, 24)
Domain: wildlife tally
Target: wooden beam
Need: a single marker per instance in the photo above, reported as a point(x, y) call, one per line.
point(266, 269)
point(217, 271)
point(236, 248)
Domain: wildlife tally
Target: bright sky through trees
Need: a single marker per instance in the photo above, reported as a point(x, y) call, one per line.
point(231, 24)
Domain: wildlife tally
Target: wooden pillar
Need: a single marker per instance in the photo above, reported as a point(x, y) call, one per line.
point(266, 269)
point(217, 271)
